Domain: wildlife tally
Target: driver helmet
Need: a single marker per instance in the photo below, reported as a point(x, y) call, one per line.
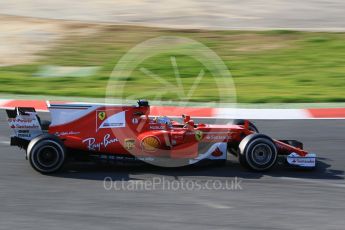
point(163, 120)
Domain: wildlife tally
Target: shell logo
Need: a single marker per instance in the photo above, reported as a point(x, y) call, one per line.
point(150, 144)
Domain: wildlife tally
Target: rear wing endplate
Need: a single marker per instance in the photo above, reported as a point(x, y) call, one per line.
point(24, 123)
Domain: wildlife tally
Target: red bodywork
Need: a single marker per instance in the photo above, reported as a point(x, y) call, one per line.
point(141, 135)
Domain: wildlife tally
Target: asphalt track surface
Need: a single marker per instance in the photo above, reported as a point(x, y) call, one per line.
point(281, 199)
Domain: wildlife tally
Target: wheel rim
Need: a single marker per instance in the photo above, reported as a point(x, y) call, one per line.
point(262, 154)
point(47, 156)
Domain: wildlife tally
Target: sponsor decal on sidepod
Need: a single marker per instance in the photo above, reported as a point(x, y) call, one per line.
point(92, 145)
point(117, 120)
point(150, 144)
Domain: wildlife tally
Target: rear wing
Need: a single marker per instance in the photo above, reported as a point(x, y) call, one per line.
point(25, 125)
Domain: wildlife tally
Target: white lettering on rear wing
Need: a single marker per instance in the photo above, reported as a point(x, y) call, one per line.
point(25, 124)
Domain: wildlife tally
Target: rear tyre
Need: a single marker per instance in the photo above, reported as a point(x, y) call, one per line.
point(257, 152)
point(46, 154)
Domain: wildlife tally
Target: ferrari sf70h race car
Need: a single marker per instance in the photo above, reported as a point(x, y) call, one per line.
point(128, 133)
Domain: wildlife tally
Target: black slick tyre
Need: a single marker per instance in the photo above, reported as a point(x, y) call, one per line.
point(257, 152)
point(46, 154)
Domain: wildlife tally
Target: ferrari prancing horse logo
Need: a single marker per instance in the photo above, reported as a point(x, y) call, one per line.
point(198, 135)
point(101, 115)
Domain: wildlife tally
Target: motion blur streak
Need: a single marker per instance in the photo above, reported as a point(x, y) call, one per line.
point(218, 14)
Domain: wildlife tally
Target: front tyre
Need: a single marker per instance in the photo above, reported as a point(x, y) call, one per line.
point(258, 152)
point(46, 154)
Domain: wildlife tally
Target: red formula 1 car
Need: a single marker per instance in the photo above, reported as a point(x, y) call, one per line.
point(128, 133)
